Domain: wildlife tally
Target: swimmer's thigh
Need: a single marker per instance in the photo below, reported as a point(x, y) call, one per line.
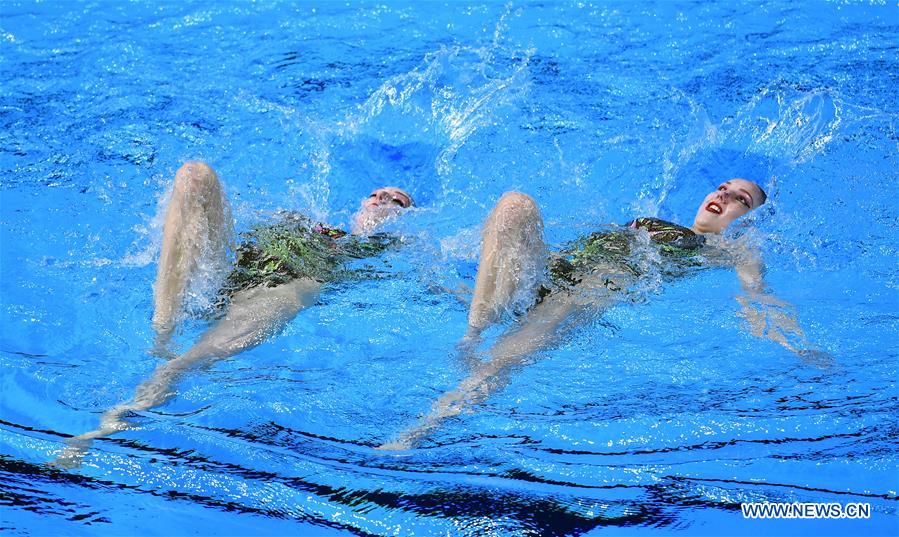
point(512, 262)
point(196, 228)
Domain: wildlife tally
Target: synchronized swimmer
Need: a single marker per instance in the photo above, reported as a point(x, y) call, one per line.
point(281, 269)
point(593, 274)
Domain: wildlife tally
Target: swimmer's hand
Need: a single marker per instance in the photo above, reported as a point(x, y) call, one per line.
point(774, 319)
point(162, 351)
point(462, 293)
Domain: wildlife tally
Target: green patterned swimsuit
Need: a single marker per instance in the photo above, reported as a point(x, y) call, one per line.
point(615, 248)
point(296, 247)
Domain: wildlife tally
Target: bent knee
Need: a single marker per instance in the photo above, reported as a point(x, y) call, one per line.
point(196, 176)
point(515, 209)
point(517, 201)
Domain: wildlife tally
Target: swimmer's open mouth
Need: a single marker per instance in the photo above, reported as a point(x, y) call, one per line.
point(713, 208)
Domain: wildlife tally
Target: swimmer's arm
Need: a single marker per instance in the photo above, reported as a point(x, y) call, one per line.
point(750, 270)
point(770, 317)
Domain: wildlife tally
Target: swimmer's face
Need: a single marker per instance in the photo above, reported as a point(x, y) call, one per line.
point(378, 207)
point(731, 200)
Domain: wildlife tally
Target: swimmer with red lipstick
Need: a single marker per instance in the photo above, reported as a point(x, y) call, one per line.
point(590, 275)
point(730, 201)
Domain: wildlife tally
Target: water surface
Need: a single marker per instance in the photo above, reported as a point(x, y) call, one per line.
point(661, 415)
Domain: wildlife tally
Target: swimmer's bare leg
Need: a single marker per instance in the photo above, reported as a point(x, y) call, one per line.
point(540, 329)
point(196, 226)
point(512, 263)
point(544, 326)
point(513, 260)
point(253, 316)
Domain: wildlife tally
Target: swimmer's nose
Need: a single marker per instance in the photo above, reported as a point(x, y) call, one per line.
point(376, 200)
point(382, 199)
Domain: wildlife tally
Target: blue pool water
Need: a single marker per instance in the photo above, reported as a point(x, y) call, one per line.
point(662, 415)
